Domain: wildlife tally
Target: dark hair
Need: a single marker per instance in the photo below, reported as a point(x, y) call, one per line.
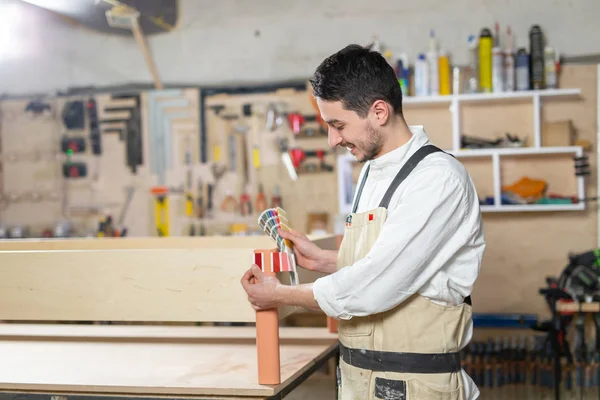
point(357, 76)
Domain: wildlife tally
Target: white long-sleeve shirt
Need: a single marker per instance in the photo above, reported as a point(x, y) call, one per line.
point(431, 243)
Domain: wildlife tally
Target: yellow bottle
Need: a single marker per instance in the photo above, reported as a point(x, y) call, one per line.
point(444, 70)
point(485, 60)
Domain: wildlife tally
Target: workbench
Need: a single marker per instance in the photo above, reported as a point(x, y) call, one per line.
point(132, 318)
point(151, 361)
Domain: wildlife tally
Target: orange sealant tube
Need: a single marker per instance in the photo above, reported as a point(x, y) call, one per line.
point(267, 332)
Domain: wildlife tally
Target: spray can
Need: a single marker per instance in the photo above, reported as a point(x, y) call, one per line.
point(536, 48)
point(522, 70)
point(432, 59)
point(485, 60)
point(509, 62)
point(421, 76)
point(550, 68)
point(497, 70)
point(444, 67)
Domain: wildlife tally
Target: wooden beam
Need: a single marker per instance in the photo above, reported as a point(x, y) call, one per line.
point(132, 279)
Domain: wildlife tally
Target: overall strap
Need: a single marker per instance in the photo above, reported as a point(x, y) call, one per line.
point(360, 189)
point(399, 178)
point(406, 170)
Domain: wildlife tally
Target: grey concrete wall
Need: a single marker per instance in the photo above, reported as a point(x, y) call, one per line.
point(264, 40)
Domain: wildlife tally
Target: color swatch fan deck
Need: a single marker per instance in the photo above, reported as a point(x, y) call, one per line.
point(284, 260)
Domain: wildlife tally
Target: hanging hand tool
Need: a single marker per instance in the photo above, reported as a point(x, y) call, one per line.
point(161, 210)
point(287, 160)
point(209, 204)
point(232, 153)
point(127, 113)
point(130, 192)
point(297, 120)
point(298, 156)
point(200, 200)
point(189, 200)
point(276, 199)
point(261, 202)
point(94, 127)
point(228, 204)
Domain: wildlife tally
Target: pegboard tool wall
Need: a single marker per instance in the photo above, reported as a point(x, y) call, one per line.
point(313, 192)
point(33, 162)
point(117, 181)
point(170, 155)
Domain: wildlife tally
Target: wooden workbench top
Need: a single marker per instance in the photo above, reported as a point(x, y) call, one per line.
point(150, 360)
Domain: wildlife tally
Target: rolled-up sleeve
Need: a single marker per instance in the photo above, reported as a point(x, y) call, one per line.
point(421, 234)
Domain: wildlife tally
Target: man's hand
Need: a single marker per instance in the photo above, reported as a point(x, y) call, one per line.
point(266, 292)
point(261, 288)
point(308, 254)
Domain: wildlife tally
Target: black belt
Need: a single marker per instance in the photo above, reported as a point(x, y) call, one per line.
point(410, 363)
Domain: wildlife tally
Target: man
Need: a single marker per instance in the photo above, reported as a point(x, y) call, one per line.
point(411, 252)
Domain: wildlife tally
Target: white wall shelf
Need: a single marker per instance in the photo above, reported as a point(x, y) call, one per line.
point(494, 97)
point(536, 97)
point(516, 151)
point(533, 207)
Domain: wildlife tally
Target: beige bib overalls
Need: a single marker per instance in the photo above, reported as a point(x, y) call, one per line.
point(409, 352)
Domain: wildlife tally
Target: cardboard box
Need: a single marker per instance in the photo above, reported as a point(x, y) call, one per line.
point(558, 133)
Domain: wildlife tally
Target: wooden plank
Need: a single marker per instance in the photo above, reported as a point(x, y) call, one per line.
point(177, 280)
point(154, 332)
point(562, 306)
point(180, 242)
point(102, 364)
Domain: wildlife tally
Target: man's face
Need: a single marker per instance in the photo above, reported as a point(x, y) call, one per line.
point(348, 129)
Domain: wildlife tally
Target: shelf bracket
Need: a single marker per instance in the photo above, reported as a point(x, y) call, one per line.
point(455, 111)
point(497, 180)
point(537, 124)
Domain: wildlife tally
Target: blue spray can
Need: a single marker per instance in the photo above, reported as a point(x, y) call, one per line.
point(522, 70)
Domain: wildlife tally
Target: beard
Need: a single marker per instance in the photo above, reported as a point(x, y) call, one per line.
point(371, 146)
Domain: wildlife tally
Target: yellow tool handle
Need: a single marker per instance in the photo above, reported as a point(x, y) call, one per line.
point(217, 154)
point(162, 216)
point(189, 205)
point(256, 157)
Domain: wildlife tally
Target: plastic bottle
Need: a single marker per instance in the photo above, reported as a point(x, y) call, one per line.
point(421, 76)
point(522, 73)
point(432, 59)
point(402, 73)
point(509, 62)
point(472, 79)
point(376, 44)
point(550, 68)
point(485, 60)
point(497, 70)
point(536, 50)
point(444, 70)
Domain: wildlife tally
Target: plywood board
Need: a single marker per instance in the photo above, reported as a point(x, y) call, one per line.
point(203, 361)
point(436, 120)
point(199, 282)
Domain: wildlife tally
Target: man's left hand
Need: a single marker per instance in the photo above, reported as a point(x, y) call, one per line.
point(261, 288)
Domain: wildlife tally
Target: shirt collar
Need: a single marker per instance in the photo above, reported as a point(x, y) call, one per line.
point(400, 155)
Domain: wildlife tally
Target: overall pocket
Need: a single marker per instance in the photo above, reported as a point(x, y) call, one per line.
point(355, 326)
point(417, 389)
